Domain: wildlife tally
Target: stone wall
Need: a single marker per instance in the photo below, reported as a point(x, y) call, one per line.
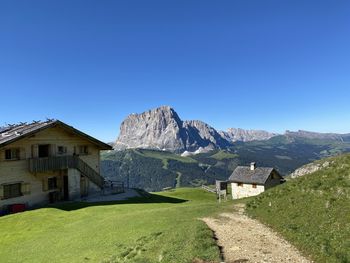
point(245, 190)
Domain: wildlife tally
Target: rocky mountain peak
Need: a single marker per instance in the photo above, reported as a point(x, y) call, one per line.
point(158, 128)
point(162, 128)
point(238, 134)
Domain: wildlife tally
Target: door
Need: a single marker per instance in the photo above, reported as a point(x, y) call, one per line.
point(83, 186)
point(65, 188)
point(44, 150)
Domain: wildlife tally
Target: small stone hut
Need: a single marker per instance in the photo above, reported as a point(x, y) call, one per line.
point(251, 180)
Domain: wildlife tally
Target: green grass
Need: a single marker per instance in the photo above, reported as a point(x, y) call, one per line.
point(313, 211)
point(161, 228)
point(164, 156)
point(221, 155)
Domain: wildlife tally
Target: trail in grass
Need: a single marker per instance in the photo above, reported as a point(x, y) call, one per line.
point(246, 240)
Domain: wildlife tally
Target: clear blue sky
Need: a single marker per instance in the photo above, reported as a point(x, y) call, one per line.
point(271, 65)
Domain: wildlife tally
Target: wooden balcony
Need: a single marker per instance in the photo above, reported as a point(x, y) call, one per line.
point(53, 163)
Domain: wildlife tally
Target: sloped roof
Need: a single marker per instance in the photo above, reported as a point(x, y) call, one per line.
point(13, 133)
point(243, 174)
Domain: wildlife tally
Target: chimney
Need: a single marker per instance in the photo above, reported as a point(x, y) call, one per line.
point(252, 166)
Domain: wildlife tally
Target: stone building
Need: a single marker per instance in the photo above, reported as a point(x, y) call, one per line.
point(251, 180)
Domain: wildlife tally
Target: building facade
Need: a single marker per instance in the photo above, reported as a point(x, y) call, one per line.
point(251, 180)
point(46, 162)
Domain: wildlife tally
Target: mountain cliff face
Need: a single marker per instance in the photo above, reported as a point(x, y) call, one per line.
point(237, 134)
point(159, 128)
point(200, 134)
point(162, 129)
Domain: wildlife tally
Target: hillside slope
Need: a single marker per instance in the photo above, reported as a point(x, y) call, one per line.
point(312, 211)
point(154, 170)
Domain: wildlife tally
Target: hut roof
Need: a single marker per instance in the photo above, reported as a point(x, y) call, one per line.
point(244, 174)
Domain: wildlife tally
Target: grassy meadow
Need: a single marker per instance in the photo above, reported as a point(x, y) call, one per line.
point(164, 227)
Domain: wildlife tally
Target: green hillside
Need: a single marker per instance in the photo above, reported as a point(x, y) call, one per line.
point(312, 211)
point(161, 228)
point(286, 153)
point(154, 170)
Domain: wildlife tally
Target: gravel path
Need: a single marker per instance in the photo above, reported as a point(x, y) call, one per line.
point(246, 240)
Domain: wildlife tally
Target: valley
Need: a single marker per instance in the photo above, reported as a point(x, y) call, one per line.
point(154, 170)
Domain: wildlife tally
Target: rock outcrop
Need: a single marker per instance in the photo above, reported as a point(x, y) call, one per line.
point(309, 168)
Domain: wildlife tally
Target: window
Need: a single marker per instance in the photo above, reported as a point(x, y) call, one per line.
point(61, 149)
point(254, 185)
point(52, 183)
point(44, 150)
point(12, 154)
point(12, 190)
point(83, 149)
point(240, 184)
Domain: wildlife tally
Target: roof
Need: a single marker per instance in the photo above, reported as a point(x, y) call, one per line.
point(13, 133)
point(243, 174)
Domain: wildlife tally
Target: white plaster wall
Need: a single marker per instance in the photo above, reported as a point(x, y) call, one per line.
point(245, 190)
point(17, 170)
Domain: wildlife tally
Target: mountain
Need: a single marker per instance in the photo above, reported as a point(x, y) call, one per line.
point(238, 134)
point(148, 144)
point(319, 136)
point(154, 170)
point(159, 128)
point(162, 129)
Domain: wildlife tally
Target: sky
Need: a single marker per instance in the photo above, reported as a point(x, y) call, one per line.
point(273, 65)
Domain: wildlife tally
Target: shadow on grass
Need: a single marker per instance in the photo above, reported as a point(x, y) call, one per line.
point(144, 199)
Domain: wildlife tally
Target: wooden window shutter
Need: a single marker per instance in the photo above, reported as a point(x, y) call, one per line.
point(1, 192)
point(53, 149)
point(25, 188)
point(45, 185)
point(35, 151)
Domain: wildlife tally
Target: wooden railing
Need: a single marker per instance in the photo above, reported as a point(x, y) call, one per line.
point(39, 165)
point(209, 189)
point(113, 187)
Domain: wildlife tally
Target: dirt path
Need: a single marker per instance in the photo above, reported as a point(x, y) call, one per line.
point(246, 240)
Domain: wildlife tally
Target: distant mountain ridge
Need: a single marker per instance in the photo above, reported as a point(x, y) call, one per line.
point(238, 134)
point(317, 135)
point(162, 129)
